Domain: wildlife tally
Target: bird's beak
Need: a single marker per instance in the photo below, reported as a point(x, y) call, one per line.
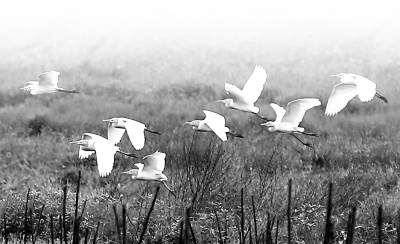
point(338, 75)
point(188, 123)
point(264, 124)
point(76, 142)
point(106, 120)
point(220, 101)
point(127, 172)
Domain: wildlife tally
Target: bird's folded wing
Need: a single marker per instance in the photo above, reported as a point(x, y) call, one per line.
point(135, 132)
point(255, 84)
point(216, 122)
point(280, 112)
point(84, 154)
point(49, 78)
point(340, 97)
point(236, 93)
point(366, 88)
point(105, 157)
point(154, 162)
point(296, 110)
point(115, 134)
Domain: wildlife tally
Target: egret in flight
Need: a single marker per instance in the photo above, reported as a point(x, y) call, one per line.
point(47, 84)
point(105, 150)
point(287, 121)
point(351, 85)
point(151, 169)
point(135, 130)
point(212, 123)
point(244, 99)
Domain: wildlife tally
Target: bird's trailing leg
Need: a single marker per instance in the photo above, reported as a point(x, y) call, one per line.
point(66, 91)
point(235, 135)
point(381, 97)
point(258, 115)
point(304, 143)
point(309, 134)
point(127, 154)
point(152, 131)
point(172, 192)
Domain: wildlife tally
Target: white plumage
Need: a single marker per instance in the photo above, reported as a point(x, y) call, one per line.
point(244, 99)
point(48, 83)
point(351, 85)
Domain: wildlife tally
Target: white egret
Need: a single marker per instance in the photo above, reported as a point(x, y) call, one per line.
point(151, 169)
point(48, 83)
point(351, 85)
point(135, 130)
point(105, 150)
point(287, 121)
point(244, 99)
point(213, 123)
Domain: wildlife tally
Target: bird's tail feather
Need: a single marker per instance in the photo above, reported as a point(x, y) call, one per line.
point(381, 97)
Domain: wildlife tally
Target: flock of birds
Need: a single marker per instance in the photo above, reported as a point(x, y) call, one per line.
point(286, 121)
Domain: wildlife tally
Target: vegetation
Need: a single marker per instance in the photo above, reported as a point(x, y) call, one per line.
point(165, 82)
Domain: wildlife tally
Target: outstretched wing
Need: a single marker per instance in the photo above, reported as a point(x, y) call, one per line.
point(105, 156)
point(340, 97)
point(280, 112)
point(154, 162)
point(83, 153)
point(236, 93)
point(296, 110)
point(49, 78)
point(255, 84)
point(135, 132)
point(115, 134)
point(216, 122)
point(366, 88)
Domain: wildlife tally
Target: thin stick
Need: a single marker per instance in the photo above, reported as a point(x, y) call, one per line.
point(148, 215)
point(86, 235)
point(40, 218)
point(398, 226)
point(219, 228)
point(75, 233)
point(276, 231)
point(26, 213)
point(31, 222)
point(380, 224)
point(117, 223)
point(61, 228)
point(5, 228)
point(242, 214)
point(186, 236)
point(51, 229)
point(64, 210)
point(254, 218)
point(328, 238)
point(350, 226)
point(123, 223)
point(289, 226)
point(95, 234)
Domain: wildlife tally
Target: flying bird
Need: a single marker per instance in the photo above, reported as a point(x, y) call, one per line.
point(105, 150)
point(287, 121)
point(244, 99)
point(351, 85)
point(151, 169)
point(135, 130)
point(48, 83)
point(212, 123)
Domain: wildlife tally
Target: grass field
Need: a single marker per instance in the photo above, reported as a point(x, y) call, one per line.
point(164, 75)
